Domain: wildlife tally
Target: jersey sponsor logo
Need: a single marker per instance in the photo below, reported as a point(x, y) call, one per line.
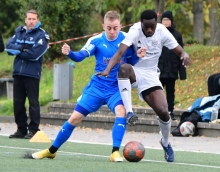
point(152, 53)
point(40, 41)
point(107, 59)
point(90, 47)
point(105, 45)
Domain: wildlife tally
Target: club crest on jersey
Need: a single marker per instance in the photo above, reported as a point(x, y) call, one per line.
point(154, 42)
point(31, 38)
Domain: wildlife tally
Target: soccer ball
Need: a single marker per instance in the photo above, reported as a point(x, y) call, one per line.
point(187, 129)
point(133, 151)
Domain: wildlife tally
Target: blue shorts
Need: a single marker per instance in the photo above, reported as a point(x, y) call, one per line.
point(95, 95)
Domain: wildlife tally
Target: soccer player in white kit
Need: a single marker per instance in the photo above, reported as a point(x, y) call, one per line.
point(148, 37)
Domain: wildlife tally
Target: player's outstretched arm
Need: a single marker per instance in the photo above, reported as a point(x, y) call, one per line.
point(114, 60)
point(75, 56)
point(184, 56)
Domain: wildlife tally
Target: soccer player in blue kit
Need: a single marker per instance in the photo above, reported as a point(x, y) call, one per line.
point(100, 90)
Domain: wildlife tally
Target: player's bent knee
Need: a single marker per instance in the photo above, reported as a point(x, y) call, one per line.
point(76, 118)
point(123, 71)
point(164, 114)
point(120, 111)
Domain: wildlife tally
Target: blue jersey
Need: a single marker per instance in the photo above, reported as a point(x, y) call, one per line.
point(103, 50)
point(101, 90)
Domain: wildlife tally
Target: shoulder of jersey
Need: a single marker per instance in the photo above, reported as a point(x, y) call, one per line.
point(45, 33)
point(124, 33)
point(96, 37)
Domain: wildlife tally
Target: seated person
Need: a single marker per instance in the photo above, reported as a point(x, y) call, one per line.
point(214, 84)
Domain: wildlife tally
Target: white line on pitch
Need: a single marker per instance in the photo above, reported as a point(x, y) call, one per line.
point(98, 143)
point(93, 155)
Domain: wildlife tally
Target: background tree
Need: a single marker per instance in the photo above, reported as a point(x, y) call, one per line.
point(214, 16)
point(73, 18)
point(198, 21)
point(159, 8)
point(9, 19)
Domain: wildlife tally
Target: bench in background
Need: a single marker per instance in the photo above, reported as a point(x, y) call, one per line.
point(6, 87)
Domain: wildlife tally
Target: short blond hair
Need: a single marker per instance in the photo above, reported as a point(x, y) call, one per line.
point(112, 15)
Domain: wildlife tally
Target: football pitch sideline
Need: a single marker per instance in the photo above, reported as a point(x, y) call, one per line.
point(85, 157)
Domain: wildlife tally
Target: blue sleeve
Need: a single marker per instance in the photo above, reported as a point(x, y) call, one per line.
point(12, 47)
point(36, 51)
point(78, 56)
point(133, 58)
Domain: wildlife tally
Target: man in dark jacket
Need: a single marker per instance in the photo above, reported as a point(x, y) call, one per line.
point(170, 64)
point(29, 43)
point(2, 46)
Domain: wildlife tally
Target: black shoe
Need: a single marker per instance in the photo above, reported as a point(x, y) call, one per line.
point(131, 118)
point(30, 135)
point(17, 134)
point(172, 116)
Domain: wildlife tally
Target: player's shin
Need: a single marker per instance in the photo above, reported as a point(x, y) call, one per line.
point(64, 133)
point(165, 131)
point(118, 131)
point(125, 91)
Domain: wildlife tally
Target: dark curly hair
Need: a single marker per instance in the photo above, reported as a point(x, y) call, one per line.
point(148, 15)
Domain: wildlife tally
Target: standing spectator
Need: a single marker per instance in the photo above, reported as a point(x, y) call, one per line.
point(214, 84)
point(170, 64)
point(2, 46)
point(29, 43)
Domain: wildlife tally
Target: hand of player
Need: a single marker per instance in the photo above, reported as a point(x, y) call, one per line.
point(186, 60)
point(141, 52)
point(65, 49)
point(103, 73)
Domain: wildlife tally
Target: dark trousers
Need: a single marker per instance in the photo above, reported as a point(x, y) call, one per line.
point(169, 86)
point(26, 87)
point(213, 84)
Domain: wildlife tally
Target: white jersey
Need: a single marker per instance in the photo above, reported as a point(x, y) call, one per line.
point(154, 44)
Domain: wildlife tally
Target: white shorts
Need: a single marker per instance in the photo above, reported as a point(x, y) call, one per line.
point(145, 79)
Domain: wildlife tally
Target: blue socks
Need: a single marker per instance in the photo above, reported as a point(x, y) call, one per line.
point(63, 135)
point(118, 131)
point(65, 132)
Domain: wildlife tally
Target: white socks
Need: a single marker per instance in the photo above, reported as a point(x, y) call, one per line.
point(165, 131)
point(125, 91)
